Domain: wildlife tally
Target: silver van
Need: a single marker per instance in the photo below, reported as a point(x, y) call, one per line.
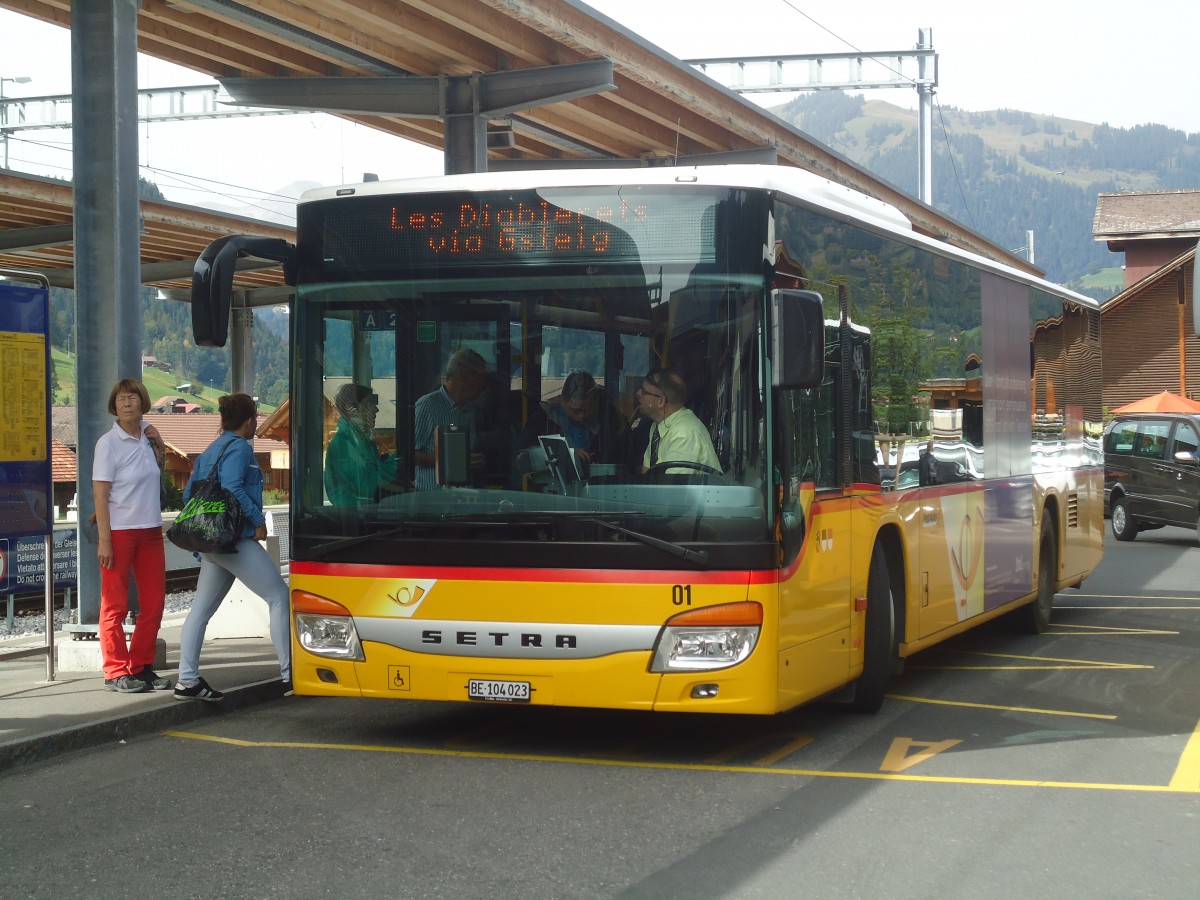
point(1152, 472)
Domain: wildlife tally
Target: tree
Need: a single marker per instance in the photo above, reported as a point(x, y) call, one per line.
point(900, 352)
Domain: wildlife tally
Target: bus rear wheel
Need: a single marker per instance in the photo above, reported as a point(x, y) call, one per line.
point(879, 639)
point(1037, 614)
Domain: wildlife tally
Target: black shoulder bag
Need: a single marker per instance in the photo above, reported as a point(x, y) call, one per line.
point(211, 520)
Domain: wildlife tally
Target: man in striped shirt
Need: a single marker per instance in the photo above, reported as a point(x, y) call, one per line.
point(450, 406)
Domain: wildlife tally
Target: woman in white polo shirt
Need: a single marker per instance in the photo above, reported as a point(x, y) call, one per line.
point(126, 478)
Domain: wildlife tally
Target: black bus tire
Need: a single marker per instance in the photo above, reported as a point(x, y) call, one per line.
point(1036, 616)
point(879, 638)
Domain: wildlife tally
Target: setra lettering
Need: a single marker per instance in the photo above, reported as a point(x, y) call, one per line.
point(500, 639)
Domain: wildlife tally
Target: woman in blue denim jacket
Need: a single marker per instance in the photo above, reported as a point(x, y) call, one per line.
point(249, 563)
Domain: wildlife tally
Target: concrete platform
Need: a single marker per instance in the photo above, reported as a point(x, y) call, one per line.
point(40, 718)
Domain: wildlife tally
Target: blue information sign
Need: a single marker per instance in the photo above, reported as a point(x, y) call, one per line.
point(23, 562)
point(25, 458)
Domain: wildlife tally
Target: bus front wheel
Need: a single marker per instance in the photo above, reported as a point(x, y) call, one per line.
point(879, 639)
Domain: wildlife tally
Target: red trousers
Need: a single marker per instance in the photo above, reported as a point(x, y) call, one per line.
point(138, 552)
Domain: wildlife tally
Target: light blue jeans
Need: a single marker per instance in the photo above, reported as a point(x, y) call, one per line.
point(254, 568)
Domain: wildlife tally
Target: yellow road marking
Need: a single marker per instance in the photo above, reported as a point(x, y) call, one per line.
point(1128, 607)
point(1068, 628)
point(1055, 659)
point(1130, 597)
point(1020, 709)
point(802, 740)
point(897, 758)
point(797, 741)
point(1187, 773)
point(694, 767)
point(1022, 668)
point(1069, 663)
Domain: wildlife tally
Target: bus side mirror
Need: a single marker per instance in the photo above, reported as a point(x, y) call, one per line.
point(797, 339)
point(212, 281)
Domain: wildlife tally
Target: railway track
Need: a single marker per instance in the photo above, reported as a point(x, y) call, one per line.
point(35, 604)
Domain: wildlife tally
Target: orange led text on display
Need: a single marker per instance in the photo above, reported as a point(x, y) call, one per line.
point(522, 227)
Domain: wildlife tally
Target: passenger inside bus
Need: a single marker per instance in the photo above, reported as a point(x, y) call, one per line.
point(450, 408)
point(592, 425)
point(677, 435)
point(355, 471)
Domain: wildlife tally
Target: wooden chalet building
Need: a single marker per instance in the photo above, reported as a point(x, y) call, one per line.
point(187, 437)
point(1150, 341)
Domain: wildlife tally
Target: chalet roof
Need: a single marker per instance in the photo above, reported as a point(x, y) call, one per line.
point(1147, 215)
point(62, 424)
point(190, 435)
point(62, 462)
point(1141, 284)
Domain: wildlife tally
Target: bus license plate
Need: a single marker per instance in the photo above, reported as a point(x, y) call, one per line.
point(505, 691)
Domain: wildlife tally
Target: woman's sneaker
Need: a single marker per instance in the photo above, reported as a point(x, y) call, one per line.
point(153, 679)
point(198, 691)
point(126, 684)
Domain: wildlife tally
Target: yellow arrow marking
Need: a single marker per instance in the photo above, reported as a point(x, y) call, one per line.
point(1187, 773)
point(897, 759)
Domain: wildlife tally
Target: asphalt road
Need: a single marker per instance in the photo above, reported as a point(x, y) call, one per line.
point(1002, 765)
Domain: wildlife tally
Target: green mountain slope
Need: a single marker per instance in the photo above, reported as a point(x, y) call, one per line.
point(1004, 172)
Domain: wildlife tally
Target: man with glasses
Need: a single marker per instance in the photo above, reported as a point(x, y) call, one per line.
point(593, 427)
point(677, 435)
point(355, 470)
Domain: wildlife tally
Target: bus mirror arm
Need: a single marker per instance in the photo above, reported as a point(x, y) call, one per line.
point(212, 281)
point(797, 338)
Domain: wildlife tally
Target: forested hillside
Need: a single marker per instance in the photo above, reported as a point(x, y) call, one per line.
point(1004, 172)
point(167, 336)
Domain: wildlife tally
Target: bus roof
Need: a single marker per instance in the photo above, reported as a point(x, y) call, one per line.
point(803, 187)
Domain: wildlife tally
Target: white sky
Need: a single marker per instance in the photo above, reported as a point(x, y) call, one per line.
point(1090, 60)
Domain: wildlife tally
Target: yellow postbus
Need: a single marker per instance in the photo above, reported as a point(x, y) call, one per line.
point(717, 439)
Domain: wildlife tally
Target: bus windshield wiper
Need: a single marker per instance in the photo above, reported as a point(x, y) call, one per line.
point(699, 557)
point(340, 543)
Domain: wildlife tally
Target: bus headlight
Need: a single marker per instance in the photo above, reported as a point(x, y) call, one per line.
point(711, 638)
point(325, 627)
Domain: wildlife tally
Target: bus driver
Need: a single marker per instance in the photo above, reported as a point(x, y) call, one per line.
point(677, 435)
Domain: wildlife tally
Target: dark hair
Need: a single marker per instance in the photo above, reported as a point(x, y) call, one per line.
point(578, 385)
point(349, 396)
point(235, 409)
point(671, 383)
point(128, 386)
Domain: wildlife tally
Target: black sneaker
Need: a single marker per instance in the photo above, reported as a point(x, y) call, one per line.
point(198, 691)
point(126, 684)
point(152, 678)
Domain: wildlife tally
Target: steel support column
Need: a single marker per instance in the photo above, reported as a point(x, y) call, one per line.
point(241, 334)
point(108, 313)
point(925, 117)
point(464, 103)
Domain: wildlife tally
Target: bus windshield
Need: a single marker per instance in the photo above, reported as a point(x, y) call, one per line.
point(583, 388)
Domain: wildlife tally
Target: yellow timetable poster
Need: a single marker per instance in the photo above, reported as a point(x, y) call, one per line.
point(22, 397)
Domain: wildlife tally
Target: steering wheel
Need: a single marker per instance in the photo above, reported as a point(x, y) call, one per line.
point(661, 468)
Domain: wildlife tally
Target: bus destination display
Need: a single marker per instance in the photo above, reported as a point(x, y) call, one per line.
point(456, 229)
